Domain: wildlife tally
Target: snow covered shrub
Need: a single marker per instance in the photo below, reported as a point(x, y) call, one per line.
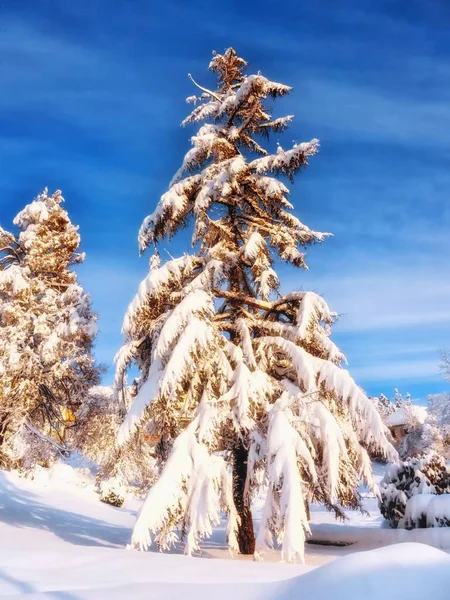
point(427, 510)
point(112, 492)
point(241, 381)
point(121, 471)
point(416, 512)
point(435, 468)
point(128, 470)
point(47, 329)
point(438, 511)
point(98, 420)
point(427, 475)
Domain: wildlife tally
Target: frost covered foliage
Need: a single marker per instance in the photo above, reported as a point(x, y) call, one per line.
point(242, 383)
point(445, 365)
point(47, 329)
point(435, 433)
point(414, 443)
point(426, 475)
point(122, 471)
point(98, 420)
point(384, 406)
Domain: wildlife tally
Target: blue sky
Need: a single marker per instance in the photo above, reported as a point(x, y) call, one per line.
point(91, 100)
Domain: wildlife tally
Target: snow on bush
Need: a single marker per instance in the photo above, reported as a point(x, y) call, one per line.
point(438, 511)
point(419, 476)
point(122, 471)
point(416, 511)
point(427, 510)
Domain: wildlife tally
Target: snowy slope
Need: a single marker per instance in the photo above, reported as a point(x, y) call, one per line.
point(60, 542)
point(408, 572)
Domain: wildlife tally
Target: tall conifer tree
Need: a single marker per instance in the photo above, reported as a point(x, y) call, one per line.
point(47, 329)
point(252, 373)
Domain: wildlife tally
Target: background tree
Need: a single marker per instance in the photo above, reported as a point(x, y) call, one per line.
point(433, 434)
point(445, 365)
point(46, 332)
point(425, 475)
point(121, 471)
point(385, 406)
point(438, 420)
point(233, 372)
point(400, 401)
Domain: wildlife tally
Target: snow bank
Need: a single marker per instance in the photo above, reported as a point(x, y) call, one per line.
point(76, 471)
point(411, 571)
point(405, 571)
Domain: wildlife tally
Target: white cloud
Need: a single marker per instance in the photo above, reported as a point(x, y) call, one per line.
point(410, 370)
point(395, 318)
point(371, 295)
point(85, 85)
point(361, 112)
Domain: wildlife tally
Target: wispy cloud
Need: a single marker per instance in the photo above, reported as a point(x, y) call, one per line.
point(368, 113)
point(373, 292)
point(83, 85)
point(409, 371)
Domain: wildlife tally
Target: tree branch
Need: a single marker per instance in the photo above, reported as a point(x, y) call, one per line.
point(261, 304)
point(212, 94)
point(278, 306)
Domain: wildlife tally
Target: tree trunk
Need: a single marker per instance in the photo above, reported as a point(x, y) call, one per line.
point(307, 510)
point(246, 534)
point(3, 428)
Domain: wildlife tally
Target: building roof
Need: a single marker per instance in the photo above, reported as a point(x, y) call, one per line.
point(399, 417)
point(404, 415)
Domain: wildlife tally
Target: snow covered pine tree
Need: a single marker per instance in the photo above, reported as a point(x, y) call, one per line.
point(258, 380)
point(46, 333)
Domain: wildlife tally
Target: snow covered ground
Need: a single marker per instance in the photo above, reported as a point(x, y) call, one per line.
point(58, 541)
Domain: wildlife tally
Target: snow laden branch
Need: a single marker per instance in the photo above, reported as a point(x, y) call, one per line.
point(193, 489)
point(284, 515)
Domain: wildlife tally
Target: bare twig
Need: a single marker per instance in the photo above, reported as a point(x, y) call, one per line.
point(212, 94)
